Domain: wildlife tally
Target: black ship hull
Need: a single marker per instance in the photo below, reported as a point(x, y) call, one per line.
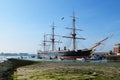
point(65, 54)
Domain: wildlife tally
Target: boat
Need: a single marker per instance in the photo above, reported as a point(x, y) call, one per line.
point(66, 53)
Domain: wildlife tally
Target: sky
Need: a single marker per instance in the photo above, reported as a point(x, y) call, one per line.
point(24, 22)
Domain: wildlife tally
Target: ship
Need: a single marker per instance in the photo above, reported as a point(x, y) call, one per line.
point(66, 53)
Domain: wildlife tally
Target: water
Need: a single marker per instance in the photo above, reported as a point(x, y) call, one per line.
point(4, 58)
point(29, 57)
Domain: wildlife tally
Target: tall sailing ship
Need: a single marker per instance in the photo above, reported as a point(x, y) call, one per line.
point(66, 53)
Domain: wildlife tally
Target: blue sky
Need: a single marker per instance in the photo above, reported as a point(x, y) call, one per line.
point(23, 22)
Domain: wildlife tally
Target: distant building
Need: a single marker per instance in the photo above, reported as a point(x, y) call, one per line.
point(117, 49)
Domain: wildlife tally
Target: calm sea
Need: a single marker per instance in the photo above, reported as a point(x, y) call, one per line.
point(4, 58)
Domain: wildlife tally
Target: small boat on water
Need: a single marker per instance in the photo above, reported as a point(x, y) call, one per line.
point(66, 53)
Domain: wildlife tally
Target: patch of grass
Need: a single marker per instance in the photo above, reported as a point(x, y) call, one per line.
point(69, 71)
point(8, 67)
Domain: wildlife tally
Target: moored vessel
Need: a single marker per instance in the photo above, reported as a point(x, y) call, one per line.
point(66, 53)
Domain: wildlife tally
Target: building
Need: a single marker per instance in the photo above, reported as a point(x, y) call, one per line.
point(117, 49)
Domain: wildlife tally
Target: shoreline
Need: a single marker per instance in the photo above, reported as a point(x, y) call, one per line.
point(17, 69)
point(8, 67)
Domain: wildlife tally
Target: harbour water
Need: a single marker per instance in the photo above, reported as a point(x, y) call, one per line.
point(4, 58)
point(29, 57)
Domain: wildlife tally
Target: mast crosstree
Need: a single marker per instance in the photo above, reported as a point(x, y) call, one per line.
point(44, 43)
point(53, 38)
point(73, 37)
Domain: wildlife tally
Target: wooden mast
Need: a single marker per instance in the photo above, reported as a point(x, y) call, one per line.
point(73, 37)
point(53, 39)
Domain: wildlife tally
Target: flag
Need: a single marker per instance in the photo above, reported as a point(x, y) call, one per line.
point(62, 18)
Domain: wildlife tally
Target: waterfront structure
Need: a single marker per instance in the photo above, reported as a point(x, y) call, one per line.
point(117, 49)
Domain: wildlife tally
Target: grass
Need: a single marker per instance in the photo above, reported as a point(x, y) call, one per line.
point(8, 67)
point(69, 71)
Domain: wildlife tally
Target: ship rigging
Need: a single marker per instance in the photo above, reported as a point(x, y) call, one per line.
point(73, 37)
point(67, 54)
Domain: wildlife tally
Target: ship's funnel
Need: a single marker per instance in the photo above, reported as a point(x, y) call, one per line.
point(65, 48)
point(59, 49)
